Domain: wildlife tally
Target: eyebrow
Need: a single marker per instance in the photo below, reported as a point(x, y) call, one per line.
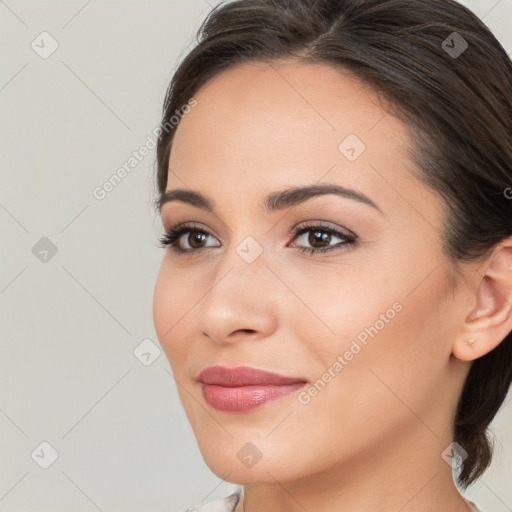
point(275, 201)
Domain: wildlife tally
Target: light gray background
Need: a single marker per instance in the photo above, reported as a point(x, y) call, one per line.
point(69, 325)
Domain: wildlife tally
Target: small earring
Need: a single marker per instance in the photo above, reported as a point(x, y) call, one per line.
point(471, 342)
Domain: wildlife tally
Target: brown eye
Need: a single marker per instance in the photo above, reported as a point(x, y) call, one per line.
point(320, 238)
point(186, 239)
point(195, 239)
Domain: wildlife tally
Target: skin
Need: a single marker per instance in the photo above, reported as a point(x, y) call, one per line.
point(372, 438)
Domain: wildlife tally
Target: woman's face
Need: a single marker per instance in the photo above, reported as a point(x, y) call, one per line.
point(368, 325)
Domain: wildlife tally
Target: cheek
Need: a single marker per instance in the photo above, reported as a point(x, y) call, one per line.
point(340, 305)
point(375, 323)
point(172, 313)
point(397, 370)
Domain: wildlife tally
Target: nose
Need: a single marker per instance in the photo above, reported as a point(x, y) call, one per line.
point(239, 301)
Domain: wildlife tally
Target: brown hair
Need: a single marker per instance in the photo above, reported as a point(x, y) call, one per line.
point(456, 102)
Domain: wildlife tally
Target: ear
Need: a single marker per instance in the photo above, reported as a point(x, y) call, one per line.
point(488, 318)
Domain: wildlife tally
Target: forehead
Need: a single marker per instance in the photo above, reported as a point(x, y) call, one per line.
point(261, 126)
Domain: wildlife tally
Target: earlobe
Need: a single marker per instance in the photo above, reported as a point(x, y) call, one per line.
point(490, 319)
point(469, 349)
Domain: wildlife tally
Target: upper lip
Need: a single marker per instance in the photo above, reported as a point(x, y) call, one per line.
point(244, 376)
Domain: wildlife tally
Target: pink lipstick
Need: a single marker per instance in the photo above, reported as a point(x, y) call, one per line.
point(242, 388)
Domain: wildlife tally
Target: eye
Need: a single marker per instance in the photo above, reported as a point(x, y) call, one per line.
point(320, 235)
point(175, 237)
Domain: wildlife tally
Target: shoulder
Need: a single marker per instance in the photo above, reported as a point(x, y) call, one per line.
point(231, 503)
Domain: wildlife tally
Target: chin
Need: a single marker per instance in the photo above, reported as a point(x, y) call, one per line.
point(242, 462)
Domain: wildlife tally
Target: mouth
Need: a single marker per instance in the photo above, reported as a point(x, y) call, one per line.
point(243, 388)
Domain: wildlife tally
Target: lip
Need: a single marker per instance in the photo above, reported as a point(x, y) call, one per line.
point(244, 376)
point(243, 388)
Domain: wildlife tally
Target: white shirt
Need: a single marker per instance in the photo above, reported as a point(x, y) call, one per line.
point(232, 503)
point(235, 503)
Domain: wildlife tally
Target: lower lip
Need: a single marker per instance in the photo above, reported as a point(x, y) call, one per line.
point(245, 398)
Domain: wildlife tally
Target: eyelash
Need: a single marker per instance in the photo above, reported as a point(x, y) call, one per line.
point(170, 238)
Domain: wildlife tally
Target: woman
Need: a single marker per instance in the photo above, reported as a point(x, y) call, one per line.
point(335, 295)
